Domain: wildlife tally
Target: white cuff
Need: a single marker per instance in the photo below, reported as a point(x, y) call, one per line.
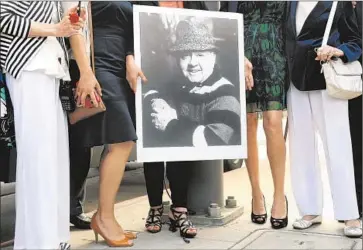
point(199, 138)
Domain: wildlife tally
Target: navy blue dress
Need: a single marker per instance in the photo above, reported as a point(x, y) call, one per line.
point(113, 41)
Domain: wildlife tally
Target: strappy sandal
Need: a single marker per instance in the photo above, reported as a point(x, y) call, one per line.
point(64, 246)
point(154, 219)
point(259, 218)
point(182, 222)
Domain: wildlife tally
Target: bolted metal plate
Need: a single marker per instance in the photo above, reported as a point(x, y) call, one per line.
point(297, 240)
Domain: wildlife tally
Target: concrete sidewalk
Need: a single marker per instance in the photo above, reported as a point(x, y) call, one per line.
point(132, 208)
point(239, 234)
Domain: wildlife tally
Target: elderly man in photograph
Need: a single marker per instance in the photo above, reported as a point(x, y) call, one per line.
point(201, 107)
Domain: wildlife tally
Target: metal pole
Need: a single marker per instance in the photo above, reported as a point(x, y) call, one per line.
point(213, 5)
point(206, 185)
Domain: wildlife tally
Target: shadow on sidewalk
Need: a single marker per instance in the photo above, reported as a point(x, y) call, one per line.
point(133, 186)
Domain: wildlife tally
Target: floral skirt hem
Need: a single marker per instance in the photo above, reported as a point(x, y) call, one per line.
point(268, 106)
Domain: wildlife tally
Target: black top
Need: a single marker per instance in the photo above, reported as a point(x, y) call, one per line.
point(112, 29)
point(303, 68)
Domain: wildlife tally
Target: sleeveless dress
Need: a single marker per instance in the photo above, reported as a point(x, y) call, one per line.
point(264, 47)
point(113, 41)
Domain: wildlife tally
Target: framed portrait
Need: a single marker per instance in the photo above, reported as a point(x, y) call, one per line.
point(193, 105)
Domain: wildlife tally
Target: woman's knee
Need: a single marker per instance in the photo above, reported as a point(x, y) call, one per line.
point(272, 122)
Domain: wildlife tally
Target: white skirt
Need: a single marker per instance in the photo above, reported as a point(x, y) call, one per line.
point(42, 177)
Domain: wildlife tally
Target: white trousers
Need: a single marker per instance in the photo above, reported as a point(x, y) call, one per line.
point(42, 172)
point(311, 112)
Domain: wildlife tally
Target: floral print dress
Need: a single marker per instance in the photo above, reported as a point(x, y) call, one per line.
point(264, 47)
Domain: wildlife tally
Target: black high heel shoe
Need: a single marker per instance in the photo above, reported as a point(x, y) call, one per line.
point(182, 222)
point(154, 219)
point(259, 218)
point(280, 223)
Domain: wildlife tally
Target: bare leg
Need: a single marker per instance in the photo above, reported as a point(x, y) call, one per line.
point(252, 164)
point(276, 151)
point(111, 173)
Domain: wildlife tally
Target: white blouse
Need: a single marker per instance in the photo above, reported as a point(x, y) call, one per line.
point(50, 58)
point(302, 13)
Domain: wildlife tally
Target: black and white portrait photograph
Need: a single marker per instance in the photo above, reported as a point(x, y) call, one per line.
point(193, 104)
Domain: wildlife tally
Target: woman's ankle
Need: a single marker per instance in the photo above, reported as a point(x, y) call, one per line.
point(309, 217)
point(279, 195)
point(257, 194)
point(180, 209)
point(177, 211)
point(105, 216)
point(156, 207)
point(355, 222)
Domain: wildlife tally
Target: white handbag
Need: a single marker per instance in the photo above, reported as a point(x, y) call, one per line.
point(343, 80)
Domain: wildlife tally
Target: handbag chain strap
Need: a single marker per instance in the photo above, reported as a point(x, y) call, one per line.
point(90, 27)
point(329, 23)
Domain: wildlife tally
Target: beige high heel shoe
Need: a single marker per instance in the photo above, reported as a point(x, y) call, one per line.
point(124, 242)
point(129, 235)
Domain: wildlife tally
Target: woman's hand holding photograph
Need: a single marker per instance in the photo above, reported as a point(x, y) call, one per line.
point(248, 74)
point(133, 72)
